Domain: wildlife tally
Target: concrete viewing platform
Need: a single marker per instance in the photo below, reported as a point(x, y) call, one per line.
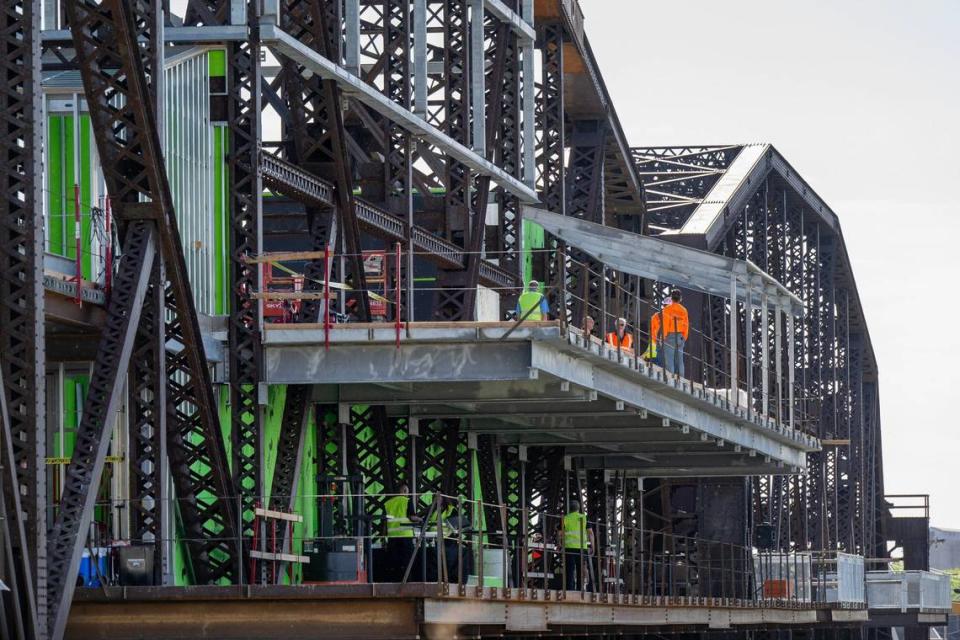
point(415, 610)
point(538, 385)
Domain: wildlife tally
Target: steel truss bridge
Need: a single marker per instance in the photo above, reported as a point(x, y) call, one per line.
point(432, 127)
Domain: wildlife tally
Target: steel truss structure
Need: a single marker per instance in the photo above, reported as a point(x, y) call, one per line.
point(773, 218)
point(464, 106)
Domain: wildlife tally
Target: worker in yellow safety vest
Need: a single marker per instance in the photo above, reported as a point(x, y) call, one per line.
point(578, 540)
point(400, 520)
point(451, 555)
point(532, 304)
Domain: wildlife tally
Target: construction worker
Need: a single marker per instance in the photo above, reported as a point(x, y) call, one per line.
point(588, 325)
point(400, 520)
point(532, 304)
point(444, 514)
point(578, 540)
point(670, 327)
point(619, 338)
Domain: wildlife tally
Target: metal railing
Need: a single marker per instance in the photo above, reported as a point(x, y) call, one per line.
point(466, 547)
point(908, 590)
point(762, 390)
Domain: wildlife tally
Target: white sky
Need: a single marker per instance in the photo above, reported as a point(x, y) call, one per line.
point(863, 99)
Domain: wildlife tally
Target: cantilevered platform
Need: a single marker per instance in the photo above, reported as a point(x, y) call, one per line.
point(371, 611)
point(538, 385)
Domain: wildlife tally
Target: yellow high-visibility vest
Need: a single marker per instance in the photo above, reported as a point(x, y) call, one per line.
point(575, 531)
point(445, 529)
point(398, 524)
point(531, 300)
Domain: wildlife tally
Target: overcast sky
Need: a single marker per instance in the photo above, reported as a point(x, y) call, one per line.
point(863, 99)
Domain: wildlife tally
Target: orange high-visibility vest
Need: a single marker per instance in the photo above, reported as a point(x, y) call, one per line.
point(615, 341)
point(675, 320)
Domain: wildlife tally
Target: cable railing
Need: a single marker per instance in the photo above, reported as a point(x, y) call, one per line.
point(458, 544)
point(613, 322)
point(698, 358)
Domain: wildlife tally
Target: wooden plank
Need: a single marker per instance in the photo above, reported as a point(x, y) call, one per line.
point(281, 256)
point(278, 515)
point(292, 295)
point(279, 557)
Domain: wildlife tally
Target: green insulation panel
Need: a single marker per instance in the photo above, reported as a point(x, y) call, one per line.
point(532, 240)
point(217, 63)
point(63, 178)
point(74, 393)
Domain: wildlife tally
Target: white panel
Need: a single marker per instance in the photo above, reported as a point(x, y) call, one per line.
point(188, 150)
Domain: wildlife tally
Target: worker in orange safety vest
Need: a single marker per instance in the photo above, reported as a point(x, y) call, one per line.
point(619, 338)
point(670, 327)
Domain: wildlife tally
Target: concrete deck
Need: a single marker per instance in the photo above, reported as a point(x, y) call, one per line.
point(538, 386)
point(411, 611)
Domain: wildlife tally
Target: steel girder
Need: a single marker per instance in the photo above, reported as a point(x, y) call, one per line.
point(546, 488)
point(489, 469)
point(18, 608)
point(149, 507)
point(551, 163)
point(22, 363)
point(587, 277)
point(107, 39)
point(502, 144)
point(243, 329)
point(82, 479)
point(509, 230)
point(370, 452)
point(449, 300)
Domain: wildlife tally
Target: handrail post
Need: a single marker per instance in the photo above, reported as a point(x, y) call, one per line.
point(748, 346)
point(765, 356)
point(326, 298)
point(734, 392)
point(778, 348)
point(790, 368)
point(397, 323)
point(603, 301)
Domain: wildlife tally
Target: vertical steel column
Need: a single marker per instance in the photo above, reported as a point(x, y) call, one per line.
point(478, 73)
point(511, 145)
point(18, 610)
point(396, 55)
point(149, 507)
point(22, 355)
point(529, 173)
point(420, 57)
point(351, 52)
point(551, 162)
point(450, 301)
point(244, 240)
